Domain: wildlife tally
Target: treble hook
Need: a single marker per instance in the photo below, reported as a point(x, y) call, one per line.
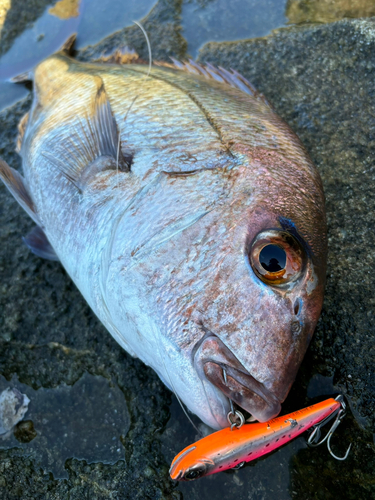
point(315, 435)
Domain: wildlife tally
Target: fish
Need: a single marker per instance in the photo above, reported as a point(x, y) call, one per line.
point(189, 216)
point(231, 448)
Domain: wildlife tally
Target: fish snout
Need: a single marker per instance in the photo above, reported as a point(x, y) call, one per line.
point(218, 366)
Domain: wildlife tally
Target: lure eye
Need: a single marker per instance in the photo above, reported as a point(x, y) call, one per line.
point(276, 257)
point(193, 474)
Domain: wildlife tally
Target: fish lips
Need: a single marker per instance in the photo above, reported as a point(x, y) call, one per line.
point(212, 359)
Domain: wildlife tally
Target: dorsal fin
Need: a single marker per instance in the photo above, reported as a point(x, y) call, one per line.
point(94, 145)
point(67, 46)
point(16, 185)
point(232, 78)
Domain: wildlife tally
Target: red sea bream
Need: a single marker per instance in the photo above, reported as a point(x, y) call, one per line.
point(189, 216)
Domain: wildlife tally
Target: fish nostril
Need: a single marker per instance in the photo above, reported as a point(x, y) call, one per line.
point(296, 327)
point(297, 306)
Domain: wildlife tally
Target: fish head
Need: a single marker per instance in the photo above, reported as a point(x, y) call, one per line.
point(263, 301)
point(233, 266)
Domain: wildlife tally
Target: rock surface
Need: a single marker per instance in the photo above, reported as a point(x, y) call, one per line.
point(321, 81)
point(16, 20)
point(163, 27)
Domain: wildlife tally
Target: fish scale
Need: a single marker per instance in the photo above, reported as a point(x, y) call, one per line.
point(233, 115)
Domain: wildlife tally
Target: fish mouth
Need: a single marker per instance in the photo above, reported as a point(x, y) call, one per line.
point(218, 365)
point(244, 390)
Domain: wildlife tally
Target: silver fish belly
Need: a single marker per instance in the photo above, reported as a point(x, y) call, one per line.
point(189, 216)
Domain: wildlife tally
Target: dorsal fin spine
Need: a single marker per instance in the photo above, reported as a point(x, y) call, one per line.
point(232, 78)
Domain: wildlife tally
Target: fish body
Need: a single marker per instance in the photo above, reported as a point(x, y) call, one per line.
point(228, 448)
point(190, 218)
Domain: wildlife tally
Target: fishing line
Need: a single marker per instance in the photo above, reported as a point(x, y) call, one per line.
point(148, 74)
point(148, 46)
point(119, 137)
point(174, 390)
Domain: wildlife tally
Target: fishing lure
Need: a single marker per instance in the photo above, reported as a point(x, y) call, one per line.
point(233, 446)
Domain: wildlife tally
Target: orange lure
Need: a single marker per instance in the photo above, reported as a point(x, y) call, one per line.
point(228, 448)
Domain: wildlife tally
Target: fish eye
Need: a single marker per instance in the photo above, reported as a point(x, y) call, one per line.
point(193, 474)
point(276, 257)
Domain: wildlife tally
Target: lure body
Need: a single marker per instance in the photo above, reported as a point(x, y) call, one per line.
point(228, 448)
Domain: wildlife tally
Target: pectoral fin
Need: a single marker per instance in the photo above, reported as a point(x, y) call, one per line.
point(38, 243)
point(16, 185)
point(94, 145)
point(104, 127)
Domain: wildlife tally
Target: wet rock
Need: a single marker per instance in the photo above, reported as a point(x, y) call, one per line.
point(209, 20)
point(320, 80)
point(87, 420)
point(16, 21)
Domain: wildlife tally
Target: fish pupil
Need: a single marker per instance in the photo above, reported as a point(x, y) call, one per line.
point(272, 258)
